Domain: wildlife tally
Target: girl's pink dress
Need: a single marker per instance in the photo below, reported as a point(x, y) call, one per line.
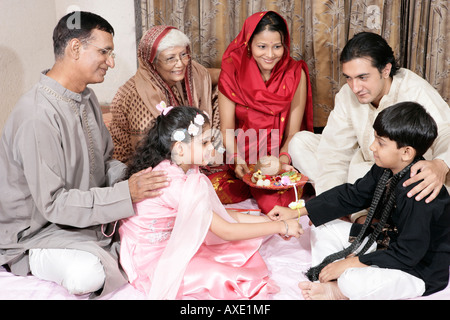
point(168, 251)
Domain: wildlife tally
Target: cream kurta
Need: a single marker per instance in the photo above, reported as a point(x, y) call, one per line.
point(343, 153)
point(55, 159)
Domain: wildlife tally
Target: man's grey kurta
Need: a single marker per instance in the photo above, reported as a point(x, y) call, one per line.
point(57, 172)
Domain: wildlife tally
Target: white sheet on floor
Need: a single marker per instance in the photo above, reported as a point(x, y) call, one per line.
point(287, 261)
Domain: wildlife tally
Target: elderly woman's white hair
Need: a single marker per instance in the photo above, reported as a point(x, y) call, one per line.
point(174, 38)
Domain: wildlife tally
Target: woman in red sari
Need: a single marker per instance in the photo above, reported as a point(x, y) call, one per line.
point(264, 99)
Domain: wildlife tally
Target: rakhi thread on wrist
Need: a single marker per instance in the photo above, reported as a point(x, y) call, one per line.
point(297, 204)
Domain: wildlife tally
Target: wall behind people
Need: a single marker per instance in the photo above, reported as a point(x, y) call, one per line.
point(26, 46)
point(417, 30)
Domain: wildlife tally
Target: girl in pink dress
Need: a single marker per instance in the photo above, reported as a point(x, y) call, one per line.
point(184, 244)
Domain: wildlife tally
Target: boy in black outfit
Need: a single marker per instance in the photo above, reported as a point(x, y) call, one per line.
point(414, 234)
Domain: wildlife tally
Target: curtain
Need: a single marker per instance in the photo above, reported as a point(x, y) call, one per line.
point(417, 30)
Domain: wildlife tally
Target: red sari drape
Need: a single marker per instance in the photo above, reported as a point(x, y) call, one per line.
point(260, 105)
point(262, 108)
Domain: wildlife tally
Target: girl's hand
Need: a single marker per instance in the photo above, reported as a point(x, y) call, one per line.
point(282, 213)
point(294, 229)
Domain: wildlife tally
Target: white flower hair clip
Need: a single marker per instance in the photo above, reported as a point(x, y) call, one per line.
point(193, 129)
point(178, 135)
point(199, 119)
point(163, 108)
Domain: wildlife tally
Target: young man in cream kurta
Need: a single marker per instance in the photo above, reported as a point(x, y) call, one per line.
point(341, 154)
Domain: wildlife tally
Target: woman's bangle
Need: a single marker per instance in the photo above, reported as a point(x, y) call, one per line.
point(287, 155)
point(287, 229)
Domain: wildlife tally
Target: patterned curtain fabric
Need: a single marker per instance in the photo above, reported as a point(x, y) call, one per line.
point(417, 30)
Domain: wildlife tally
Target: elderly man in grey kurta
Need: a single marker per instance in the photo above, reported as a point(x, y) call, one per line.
point(61, 191)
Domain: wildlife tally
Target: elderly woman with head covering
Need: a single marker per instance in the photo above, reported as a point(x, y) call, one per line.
point(166, 73)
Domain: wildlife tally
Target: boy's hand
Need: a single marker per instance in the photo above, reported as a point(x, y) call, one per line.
point(334, 270)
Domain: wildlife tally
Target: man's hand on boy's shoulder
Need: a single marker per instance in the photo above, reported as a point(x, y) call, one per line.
point(433, 173)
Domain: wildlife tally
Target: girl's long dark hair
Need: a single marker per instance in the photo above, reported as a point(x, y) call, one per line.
point(156, 146)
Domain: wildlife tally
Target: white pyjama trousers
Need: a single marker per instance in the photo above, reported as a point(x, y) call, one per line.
point(370, 283)
point(78, 271)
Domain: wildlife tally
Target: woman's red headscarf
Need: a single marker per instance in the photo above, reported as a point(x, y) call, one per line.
point(261, 105)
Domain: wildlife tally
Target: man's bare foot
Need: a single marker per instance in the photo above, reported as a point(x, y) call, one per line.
point(321, 291)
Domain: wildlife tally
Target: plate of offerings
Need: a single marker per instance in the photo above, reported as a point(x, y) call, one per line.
point(280, 181)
